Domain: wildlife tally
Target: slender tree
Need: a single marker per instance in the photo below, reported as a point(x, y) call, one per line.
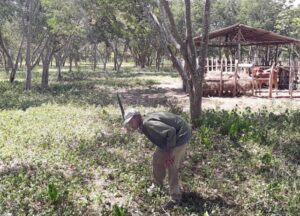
point(192, 73)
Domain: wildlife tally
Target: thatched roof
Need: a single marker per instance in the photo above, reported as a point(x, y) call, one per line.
point(230, 36)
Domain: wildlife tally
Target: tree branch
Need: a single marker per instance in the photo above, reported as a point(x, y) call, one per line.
point(19, 52)
point(170, 17)
point(6, 52)
point(38, 58)
point(189, 36)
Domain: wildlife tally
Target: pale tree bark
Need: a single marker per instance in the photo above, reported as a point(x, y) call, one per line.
point(158, 58)
point(6, 64)
point(60, 58)
point(204, 46)
point(46, 65)
point(191, 73)
point(47, 57)
point(1, 58)
point(15, 66)
point(60, 55)
point(104, 56)
point(28, 45)
point(32, 57)
point(70, 63)
point(118, 54)
point(12, 66)
point(95, 57)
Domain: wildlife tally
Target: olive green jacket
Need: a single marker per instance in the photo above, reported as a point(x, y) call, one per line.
point(166, 130)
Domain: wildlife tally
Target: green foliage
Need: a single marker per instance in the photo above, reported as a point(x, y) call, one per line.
point(266, 159)
point(63, 17)
point(225, 13)
point(118, 211)
point(53, 192)
point(204, 136)
point(63, 153)
point(288, 22)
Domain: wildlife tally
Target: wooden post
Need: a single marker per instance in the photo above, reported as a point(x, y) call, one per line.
point(271, 81)
point(252, 82)
point(276, 55)
point(230, 64)
point(239, 45)
point(239, 49)
point(221, 79)
point(291, 74)
point(226, 69)
point(207, 65)
point(235, 78)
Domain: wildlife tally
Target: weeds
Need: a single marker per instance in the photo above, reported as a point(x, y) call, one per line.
point(62, 152)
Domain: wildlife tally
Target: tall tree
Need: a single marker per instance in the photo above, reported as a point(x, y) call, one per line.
point(171, 37)
point(11, 36)
point(260, 13)
point(36, 37)
point(63, 30)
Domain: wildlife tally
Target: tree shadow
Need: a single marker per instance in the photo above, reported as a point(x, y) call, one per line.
point(87, 88)
point(79, 75)
point(146, 97)
point(195, 203)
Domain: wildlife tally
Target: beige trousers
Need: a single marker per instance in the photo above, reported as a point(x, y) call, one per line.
point(159, 169)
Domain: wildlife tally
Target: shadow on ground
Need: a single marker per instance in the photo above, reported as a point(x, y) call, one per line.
point(199, 205)
point(86, 88)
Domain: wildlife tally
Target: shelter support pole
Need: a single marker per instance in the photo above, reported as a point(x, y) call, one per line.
point(235, 78)
point(291, 71)
point(221, 79)
point(239, 45)
point(276, 55)
point(271, 81)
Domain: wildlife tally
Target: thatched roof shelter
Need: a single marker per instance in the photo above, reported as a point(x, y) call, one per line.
point(244, 35)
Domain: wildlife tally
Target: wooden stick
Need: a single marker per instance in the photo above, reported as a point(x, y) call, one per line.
point(271, 81)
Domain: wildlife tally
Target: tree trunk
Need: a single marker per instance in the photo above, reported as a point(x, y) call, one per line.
point(121, 58)
point(1, 58)
point(6, 65)
point(142, 60)
point(47, 59)
point(203, 54)
point(158, 58)
point(70, 63)
point(21, 60)
point(60, 59)
point(28, 47)
point(59, 63)
point(187, 49)
point(95, 56)
point(13, 73)
point(115, 59)
point(15, 66)
point(45, 75)
point(76, 63)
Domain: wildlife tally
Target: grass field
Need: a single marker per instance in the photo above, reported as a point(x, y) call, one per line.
point(62, 152)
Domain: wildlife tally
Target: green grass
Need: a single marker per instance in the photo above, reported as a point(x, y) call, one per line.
point(62, 152)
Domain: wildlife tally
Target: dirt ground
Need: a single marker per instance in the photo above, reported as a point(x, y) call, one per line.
point(173, 90)
point(169, 90)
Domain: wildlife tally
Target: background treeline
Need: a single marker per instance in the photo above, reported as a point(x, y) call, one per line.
point(59, 33)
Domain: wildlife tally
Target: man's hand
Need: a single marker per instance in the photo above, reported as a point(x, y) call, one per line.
point(126, 130)
point(170, 158)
